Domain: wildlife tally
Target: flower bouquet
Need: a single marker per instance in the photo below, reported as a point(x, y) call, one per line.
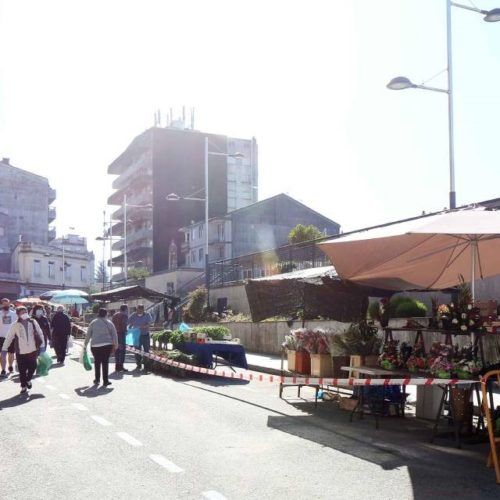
point(417, 360)
point(440, 364)
point(390, 359)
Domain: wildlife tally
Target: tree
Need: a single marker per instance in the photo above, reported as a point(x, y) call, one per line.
point(101, 273)
point(138, 273)
point(301, 233)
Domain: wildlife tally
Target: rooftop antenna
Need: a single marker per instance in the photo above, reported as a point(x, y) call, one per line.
point(192, 118)
point(184, 116)
point(159, 117)
point(171, 116)
point(155, 120)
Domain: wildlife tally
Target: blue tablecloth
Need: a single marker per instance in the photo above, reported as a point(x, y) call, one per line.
point(234, 354)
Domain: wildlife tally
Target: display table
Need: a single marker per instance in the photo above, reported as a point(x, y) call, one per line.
point(207, 353)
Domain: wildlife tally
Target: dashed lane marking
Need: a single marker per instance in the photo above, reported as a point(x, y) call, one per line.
point(129, 439)
point(101, 420)
point(64, 396)
point(213, 495)
point(166, 464)
point(80, 407)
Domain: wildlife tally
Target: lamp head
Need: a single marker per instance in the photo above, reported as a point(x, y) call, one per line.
point(173, 197)
point(237, 155)
point(492, 16)
point(400, 83)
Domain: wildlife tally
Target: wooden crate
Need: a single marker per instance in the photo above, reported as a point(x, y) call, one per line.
point(321, 365)
point(290, 355)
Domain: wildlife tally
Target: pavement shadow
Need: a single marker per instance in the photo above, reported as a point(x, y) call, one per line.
point(435, 471)
point(18, 400)
point(92, 391)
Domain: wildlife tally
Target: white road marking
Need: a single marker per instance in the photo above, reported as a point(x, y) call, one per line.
point(166, 464)
point(64, 396)
point(80, 407)
point(51, 387)
point(129, 439)
point(101, 420)
point(213, 495)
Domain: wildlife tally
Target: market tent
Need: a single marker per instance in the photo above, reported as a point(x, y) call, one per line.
point(312, 293)
point(431, 253)
point(130, 293)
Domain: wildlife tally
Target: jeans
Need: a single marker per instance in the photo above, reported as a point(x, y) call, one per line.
point(26, 364)
point(144, 343)
point(101, 358)
point(120, 351)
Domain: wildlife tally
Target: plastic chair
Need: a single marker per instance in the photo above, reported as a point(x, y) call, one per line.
point(488, 408)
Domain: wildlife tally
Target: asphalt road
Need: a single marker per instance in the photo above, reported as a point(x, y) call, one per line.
point(151, 436)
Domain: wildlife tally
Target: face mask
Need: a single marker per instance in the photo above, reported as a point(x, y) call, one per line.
point(25, 316)
point(39, 313)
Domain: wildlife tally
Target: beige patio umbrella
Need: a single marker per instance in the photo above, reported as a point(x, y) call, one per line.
point(428, 253)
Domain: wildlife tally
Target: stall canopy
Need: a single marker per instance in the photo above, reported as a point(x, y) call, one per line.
point(431, 253)
point(130, 293)
point(311, 293)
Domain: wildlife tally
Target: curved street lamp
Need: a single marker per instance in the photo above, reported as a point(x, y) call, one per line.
point(402, 83)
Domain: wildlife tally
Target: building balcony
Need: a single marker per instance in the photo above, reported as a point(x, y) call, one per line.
point(139, 253)
point(52, 234)
point(52, 214)
point(134, 236)
point(134, 213)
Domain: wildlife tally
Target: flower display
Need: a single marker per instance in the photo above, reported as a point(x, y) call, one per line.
point(390, 358)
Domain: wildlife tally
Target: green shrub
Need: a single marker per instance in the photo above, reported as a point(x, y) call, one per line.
point(359, 339)
point(96, 307)
point(214, 332)
point(406, 307)
point(411, 309)
point(374, 310)
point(197, 300)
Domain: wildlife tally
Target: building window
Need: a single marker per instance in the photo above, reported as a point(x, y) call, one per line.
point(193, 256)
point(52, 270)
point(221, 252)
point(67, 273)
point(83, 274)
point(192, 235)
point(220, 232)
point(200, 254)
point(37, 268)
point(200, 231)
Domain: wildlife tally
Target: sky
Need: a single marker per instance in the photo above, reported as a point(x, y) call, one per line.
point(80, 79)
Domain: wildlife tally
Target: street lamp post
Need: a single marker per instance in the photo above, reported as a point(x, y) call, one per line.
point(401, 83)
point(176, 197)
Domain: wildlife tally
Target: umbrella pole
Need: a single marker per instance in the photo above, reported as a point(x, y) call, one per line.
point(473, 274)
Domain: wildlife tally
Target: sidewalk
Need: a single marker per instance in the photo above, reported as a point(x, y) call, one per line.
point(266, 363)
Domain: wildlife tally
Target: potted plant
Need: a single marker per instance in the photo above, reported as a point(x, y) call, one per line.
point(290, 345)
point(318, 347)
point(302, 357)
point(361, 342)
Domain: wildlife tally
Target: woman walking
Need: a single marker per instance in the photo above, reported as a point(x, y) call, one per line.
point(38, 315)
point(101, 333)
point(61, 330)
point(28, 340)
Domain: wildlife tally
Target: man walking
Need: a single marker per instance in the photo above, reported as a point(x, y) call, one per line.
point(28, 338)
point(120, 320)
point(141, 320)
point(7, 318)
point(61, 330)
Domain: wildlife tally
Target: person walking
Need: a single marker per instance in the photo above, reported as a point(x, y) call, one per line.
point(120, 320)
point(61, 330)
point(38, 314)
point(7, 318)
point(27, 337)
point(142, 320)
point(104, 340)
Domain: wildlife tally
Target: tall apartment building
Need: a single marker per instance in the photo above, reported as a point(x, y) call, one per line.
point(25, 211)
point(161, 161)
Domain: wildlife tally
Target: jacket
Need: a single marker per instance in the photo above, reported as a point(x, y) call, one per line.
point(141, 322)
point(101, 331)
point(120, 320)
point(61, 324)
point(25, 339)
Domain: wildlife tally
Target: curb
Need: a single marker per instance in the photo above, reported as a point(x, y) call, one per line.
point(270, 371)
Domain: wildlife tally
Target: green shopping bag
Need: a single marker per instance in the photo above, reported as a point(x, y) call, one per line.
point(43, 364)
point(85, 360)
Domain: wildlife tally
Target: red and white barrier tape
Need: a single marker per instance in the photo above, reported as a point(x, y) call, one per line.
point(302, 380)
point(276, 379)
